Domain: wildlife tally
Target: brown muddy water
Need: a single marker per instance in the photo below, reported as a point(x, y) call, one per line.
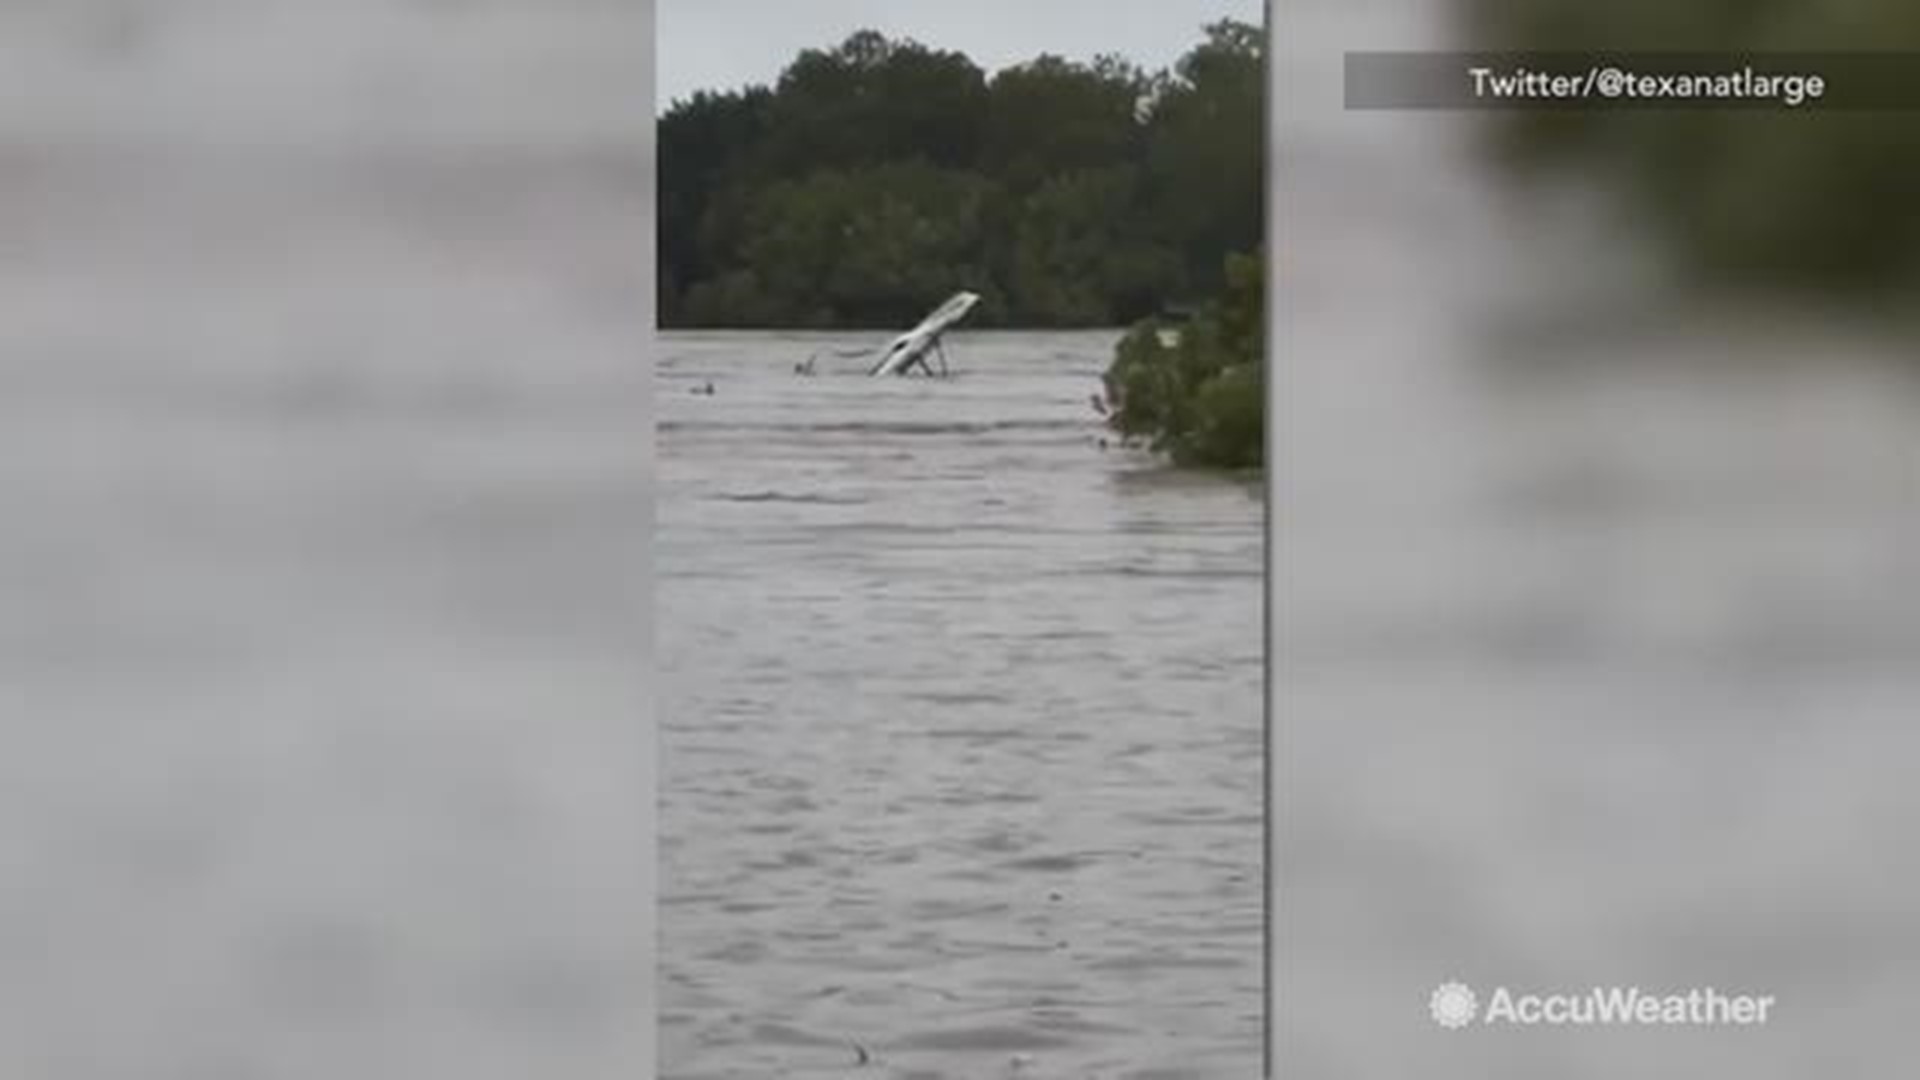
point(961, 725)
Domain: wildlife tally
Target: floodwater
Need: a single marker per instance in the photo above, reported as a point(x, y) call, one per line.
point(961, 725)
point(1597, 651)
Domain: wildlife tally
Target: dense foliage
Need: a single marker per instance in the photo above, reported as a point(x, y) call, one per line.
point(877, 177)
point(1198, 394)
point(1806, 197)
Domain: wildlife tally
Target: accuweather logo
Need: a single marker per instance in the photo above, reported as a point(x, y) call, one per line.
point(1454, 1005)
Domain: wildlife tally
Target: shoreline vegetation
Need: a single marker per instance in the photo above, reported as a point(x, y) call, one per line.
point(878, 177)
point(1195, 391)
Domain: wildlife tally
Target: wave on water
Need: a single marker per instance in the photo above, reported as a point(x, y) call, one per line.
point(877, 427)
point(785, 497)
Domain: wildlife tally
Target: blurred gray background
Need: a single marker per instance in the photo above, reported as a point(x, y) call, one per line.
point(324, 459)
point(1593, 596)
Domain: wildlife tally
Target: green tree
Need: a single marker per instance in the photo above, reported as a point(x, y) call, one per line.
point(865, 247)
point(700, 143)
point(1201, 398)
point(1207, 149)
point(879, 175)
point(871, 100)
point(1050, 116)
point(1081, 258)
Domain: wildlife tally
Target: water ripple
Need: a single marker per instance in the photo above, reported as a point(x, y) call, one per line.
point(962, 720)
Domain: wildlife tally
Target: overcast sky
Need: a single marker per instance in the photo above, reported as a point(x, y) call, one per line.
point(725, 44)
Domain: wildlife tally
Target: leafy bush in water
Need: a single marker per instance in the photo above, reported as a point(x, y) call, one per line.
point(1201, 399)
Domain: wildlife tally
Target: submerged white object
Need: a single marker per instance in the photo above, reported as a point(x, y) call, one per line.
point(911, 347)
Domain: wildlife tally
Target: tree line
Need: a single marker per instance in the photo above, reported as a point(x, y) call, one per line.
point(876, 177)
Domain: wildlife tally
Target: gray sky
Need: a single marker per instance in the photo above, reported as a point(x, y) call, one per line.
point(724, 44)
